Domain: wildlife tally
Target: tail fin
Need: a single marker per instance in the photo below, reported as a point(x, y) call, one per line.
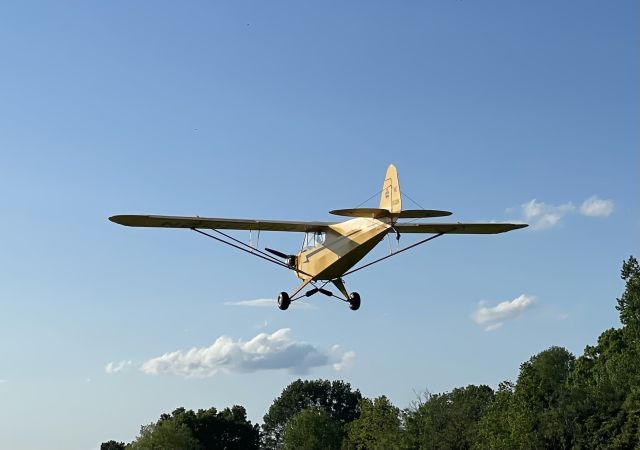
point(391, 198)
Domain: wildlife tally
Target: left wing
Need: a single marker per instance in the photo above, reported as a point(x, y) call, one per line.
point(457, 228)
point(216, 223)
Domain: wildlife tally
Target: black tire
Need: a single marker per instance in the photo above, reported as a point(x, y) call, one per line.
point(283, 301)
point(354, 301)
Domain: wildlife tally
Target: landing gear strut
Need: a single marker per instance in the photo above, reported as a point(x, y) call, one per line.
point(353, 299)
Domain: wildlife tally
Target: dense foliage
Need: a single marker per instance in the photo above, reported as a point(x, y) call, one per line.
point(378, 427)
point(336, 398)
point(206, 429)
point(312, 429)
point(557, 402)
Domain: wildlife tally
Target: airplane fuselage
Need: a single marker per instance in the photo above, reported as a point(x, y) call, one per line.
point(345, 244)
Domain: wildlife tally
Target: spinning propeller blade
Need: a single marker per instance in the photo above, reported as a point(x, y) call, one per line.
point(277, 253)
point(290, 259)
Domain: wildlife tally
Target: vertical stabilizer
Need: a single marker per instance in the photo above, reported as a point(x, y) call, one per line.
point(390, 198)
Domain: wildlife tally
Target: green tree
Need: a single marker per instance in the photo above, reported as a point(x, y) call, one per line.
point(112, 445)
point(447, 421)
point(377, 428)
point(312, 429)
point(206, 429)
point(540, 409)
point(228, 429)
point(495, 426)
point(166, 434)
point(534, 413)
point(606, 379)
point(335, 397)
point(629, 303)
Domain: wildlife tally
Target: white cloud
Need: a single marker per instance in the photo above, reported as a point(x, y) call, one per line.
point(596, 207)
point(542, 216)
point(2, 381)
point(263, 352)
point(494, 317)
point(257, 302)
point(115, 367)
point(267, 302)
point(345, 362)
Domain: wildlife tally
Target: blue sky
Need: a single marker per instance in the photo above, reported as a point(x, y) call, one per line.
point(286, 110)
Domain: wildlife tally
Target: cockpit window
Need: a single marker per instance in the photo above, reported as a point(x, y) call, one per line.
point(314, 239)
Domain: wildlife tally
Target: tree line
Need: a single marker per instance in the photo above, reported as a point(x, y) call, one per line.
point(558, 401)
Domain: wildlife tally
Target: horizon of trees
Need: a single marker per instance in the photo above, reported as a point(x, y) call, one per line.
point(558, 401)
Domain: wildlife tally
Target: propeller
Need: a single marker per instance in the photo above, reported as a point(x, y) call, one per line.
point(291, 259)
point(277, 253)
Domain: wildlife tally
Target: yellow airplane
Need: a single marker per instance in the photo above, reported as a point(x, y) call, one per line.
point(329, 250)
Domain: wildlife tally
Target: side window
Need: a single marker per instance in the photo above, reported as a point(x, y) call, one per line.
point(314, 239)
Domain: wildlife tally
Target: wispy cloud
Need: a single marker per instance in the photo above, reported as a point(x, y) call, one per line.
point(543, 216)
point(596, 207)
point(493, 317)
point(2, 381)
point(116, 366)
point(346, 360)
point(493, 327)
point(267, 303)
point(263, 352)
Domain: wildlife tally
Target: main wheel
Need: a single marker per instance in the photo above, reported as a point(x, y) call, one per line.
point(354, 301)
point(283, 301)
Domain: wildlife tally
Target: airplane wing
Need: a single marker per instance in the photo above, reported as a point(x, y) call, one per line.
point(457, 228)
point(216, 223)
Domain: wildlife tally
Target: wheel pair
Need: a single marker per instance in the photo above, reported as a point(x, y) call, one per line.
point(283, 301)
point(354, 301)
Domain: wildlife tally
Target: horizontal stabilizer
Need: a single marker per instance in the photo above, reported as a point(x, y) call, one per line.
point(456, 228)
point(421, 213)
point(377, 213)
point(373, 213)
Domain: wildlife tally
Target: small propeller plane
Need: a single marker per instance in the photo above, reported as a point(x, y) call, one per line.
point(330, 250)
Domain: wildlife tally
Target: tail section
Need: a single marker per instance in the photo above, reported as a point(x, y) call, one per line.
point(390, 198)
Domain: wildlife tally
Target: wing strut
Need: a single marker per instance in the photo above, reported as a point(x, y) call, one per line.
point(395, 253)
point(259, 254)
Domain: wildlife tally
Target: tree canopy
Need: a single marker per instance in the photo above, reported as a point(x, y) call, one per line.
point(377, 428)
point(112, 445)
point(336, 398)
point(206, 429)
point(312, 429)
point(448, 420)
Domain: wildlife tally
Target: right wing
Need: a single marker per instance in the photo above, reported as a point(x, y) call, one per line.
point(457, 228)
point(216, 223)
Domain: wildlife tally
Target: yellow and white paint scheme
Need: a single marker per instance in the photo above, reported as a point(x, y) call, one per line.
point(348, 242)
point(337, 246)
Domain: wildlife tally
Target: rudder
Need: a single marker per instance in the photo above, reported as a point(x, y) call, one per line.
point(391, 198)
